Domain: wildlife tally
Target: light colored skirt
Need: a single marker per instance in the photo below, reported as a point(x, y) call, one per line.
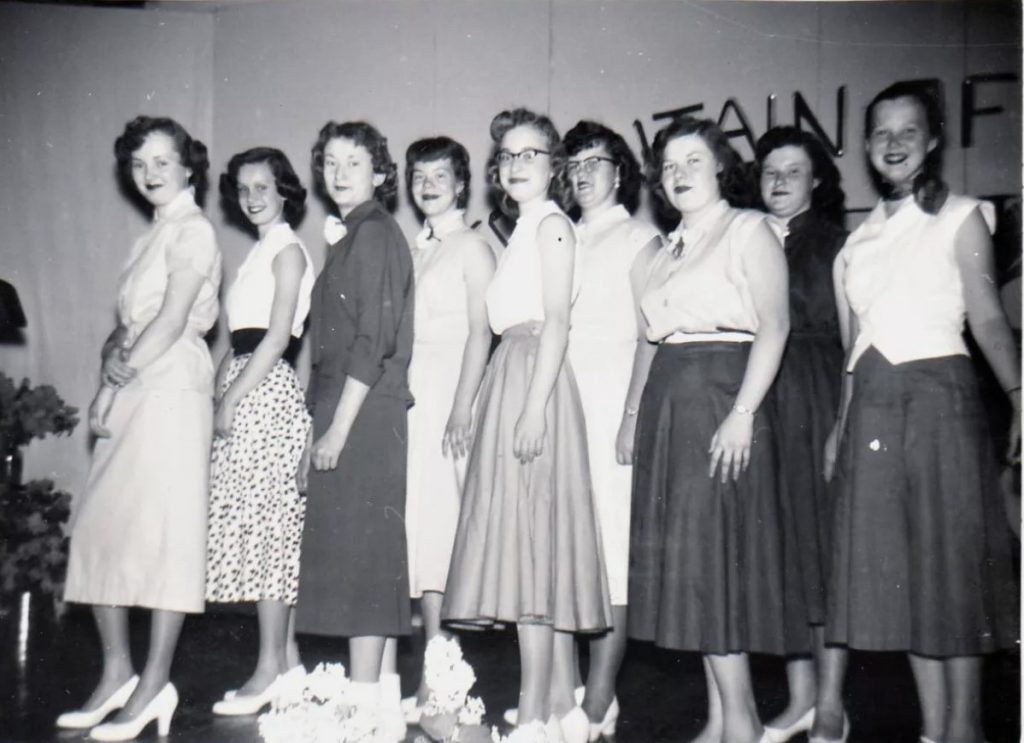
point(256, 511)
point(527, 549)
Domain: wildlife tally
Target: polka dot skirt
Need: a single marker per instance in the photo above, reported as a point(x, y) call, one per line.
point(256, 511)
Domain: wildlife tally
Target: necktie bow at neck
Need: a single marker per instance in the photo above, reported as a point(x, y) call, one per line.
point(676, 242)
point(334, 229)
point(425, 238)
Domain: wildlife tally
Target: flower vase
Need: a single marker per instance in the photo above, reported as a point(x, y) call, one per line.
point(10, 466)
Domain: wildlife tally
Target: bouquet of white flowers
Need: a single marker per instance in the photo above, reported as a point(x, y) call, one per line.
point(450, 714)
point(317, 708)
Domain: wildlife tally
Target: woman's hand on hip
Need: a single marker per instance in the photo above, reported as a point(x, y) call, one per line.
point(327, 449)
point(730, 445)
point(528, 440)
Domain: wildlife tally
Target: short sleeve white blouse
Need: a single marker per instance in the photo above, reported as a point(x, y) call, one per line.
point(249, 300)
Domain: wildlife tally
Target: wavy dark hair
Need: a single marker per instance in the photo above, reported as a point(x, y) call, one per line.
point(433, 149)
point(734, 183)
point(588, 134)
point(505, 121)
point(929, 189)
point(367, 136)
point(192, 152)
point(827, 198)
point(286, 181)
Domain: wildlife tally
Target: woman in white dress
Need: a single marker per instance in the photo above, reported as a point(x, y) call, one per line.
point(261, 422)
point(138, 535)
point(453, 266)
point(610, 356)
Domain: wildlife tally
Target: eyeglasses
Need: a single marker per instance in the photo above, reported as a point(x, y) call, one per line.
point(770, 175)
point(527, 156)
point(592, 163)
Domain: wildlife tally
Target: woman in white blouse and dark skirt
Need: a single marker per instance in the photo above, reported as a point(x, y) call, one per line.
point(921, 555)
point(706, 551)
point(261, 422)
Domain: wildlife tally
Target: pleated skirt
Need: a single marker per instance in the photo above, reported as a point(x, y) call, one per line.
point(922, 552)
point(527, 547)
point(805, 396)
point(256, 511)
point(706, 558)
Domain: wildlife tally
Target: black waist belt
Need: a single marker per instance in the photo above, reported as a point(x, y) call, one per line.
point(245, 341)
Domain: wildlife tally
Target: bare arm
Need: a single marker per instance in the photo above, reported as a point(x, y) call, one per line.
point(115, 370)
point(557, 246)
point(849, 329)
point(288, 267)
point(643, 355)
point(764, 265)
point(478, 270)
point(985, 316)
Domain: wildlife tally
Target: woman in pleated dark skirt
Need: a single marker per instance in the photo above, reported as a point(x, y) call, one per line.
point(922, 559)
point(706, 548)
point(801, 193)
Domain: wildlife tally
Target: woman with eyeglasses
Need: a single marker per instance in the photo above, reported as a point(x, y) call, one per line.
point(453, 266)
point(801, 193)
point(706, 547)
point(921, 560)
point(526, 547)
point(610, 360)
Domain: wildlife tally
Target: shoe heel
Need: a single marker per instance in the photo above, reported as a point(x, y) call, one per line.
point(163, 723)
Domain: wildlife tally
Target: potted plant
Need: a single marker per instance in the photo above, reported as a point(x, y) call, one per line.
point(33, 547)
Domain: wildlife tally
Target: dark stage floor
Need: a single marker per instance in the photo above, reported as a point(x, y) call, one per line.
point(662, 693)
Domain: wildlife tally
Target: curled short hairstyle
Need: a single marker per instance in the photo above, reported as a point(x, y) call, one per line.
point(365, 135)
point(287, 183)
point(733, 178)
point(433, 149)
point(192, 152)
point(588, 134)
point(506, 121)
point(827, 198)
point(929, 189)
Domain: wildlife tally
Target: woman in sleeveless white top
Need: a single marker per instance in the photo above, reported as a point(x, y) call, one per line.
point(453, 265)
point(261, 422)
point(138, 533)
point(610, 357)
point(527, 547)
point(921, 560)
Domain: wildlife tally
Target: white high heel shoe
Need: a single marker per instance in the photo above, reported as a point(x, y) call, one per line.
point(160, 708)
point(411, 711)
point(81, 719)
point(802, 725)
point(607, 725)
point(249, 704)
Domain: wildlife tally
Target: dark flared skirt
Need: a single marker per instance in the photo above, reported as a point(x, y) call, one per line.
point(706, 558)
point(922, 558)
point(805, 396)
point(354, 571)
point(527, 548)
